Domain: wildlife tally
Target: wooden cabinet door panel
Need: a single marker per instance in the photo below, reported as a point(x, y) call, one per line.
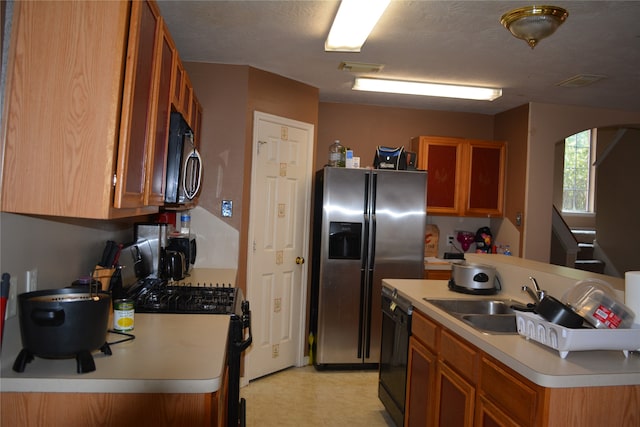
point(178, 85)
point(159, 126)
point(442, 158)
point(442, 182)
point(420, 397)
point(459, 356)
point(486, 178)
point(136, 114)
point(62, 107)
point(516, 398)
point(488, 415)
point(424, 330)
point(455, 399)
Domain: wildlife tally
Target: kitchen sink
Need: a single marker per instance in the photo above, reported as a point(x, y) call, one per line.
point(492, 323)
point(492, 316)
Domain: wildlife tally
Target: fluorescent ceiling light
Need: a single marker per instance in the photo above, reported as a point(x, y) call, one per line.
point(353, 23)
point(427, 89)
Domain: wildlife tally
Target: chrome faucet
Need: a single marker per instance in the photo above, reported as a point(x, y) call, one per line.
point(536, 295)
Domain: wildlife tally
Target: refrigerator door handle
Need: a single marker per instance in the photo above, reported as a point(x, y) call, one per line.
point(372, 219)
point(371, 236)
point(363, 275)
point(369, 298)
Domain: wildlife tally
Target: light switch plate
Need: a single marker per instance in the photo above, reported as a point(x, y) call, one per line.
point(227, 208)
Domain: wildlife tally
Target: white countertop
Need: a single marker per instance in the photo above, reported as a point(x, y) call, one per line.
point(540, 364)
point(172, 353)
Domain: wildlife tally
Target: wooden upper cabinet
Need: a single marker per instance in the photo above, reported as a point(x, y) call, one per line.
point(178, 85)
point(465, 177)
point(159, 129)
point(87, 110)
point(485, 181)
point(187, 95)
point(140, 85)
point(196, 120)
point(63, 105)
point(442, 158)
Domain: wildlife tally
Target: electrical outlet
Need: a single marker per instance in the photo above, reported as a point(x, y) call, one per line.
point(451, 239)
point(32, 280)
point(12, 302)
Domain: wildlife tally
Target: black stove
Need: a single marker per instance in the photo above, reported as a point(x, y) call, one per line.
point(157, 296)
point(153, 295)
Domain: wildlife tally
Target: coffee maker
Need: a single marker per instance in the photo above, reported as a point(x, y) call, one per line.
point(156, 235)
point(185, 245)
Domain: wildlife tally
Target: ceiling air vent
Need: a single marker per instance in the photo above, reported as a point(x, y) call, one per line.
point(581, 80)
point(360, 67)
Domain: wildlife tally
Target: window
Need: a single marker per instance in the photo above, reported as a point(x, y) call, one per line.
point(577, 187)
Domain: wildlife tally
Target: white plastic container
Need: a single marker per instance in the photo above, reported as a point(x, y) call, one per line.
point(335, 153)
point(596, 301)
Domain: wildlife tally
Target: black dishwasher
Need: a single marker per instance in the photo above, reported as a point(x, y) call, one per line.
point(394, 343)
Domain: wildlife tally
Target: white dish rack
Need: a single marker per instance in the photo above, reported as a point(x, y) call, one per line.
point(533, 327)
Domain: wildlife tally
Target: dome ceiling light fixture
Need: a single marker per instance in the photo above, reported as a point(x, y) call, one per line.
point(534, 23)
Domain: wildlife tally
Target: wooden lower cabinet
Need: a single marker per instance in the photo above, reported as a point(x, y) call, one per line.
point(452, 383)
point(488, 415)
point(437, 274)
point(455, 398)
point(420, 395)
point(115, 409)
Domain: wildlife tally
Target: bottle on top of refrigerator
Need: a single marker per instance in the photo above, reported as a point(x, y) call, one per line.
point(343, 157)
point(335, 153)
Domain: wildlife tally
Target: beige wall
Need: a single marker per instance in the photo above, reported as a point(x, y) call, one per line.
point(223, 94)
point(548, 124)
point(363, 127)
point(511, 126)
point(618, 203)
point(229, 95)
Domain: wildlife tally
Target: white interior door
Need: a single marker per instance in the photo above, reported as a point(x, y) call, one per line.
point(278, 242)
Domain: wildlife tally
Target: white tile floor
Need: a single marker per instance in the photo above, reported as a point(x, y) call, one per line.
point(307, 397)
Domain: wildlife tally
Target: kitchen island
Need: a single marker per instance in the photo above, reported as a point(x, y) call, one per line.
point(458, 373)
point(172, 373)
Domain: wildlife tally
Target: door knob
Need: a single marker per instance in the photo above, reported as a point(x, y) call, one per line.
point(299, 260)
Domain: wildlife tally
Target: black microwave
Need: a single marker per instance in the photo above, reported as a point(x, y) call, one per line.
point(184, 165)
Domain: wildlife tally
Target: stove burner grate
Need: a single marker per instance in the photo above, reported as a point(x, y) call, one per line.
point(156, 296)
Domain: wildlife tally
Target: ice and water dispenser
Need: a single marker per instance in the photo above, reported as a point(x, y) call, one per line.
point(345, 240)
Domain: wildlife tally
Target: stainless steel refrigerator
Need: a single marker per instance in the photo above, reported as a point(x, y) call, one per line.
point(368, 225)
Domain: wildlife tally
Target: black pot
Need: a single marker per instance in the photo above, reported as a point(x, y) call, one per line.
point(62, 323)
point(555, 311)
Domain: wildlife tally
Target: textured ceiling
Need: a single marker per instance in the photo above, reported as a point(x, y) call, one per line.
point(459, 42)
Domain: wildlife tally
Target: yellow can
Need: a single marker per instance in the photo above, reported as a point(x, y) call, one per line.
point(123, 312)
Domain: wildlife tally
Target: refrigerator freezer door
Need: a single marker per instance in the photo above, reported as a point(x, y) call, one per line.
point(339, 320)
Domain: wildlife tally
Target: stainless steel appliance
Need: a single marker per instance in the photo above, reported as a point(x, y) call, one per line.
point(396, 329)
point(476, 279)
point(368, 225)
point(156, 236)
point(184, 165)
point(186, 245)
point(153, 295)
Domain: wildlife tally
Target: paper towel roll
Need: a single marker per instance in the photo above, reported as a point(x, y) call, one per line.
point(632, 292)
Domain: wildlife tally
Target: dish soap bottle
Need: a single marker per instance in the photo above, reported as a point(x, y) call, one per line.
point(335, 153)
